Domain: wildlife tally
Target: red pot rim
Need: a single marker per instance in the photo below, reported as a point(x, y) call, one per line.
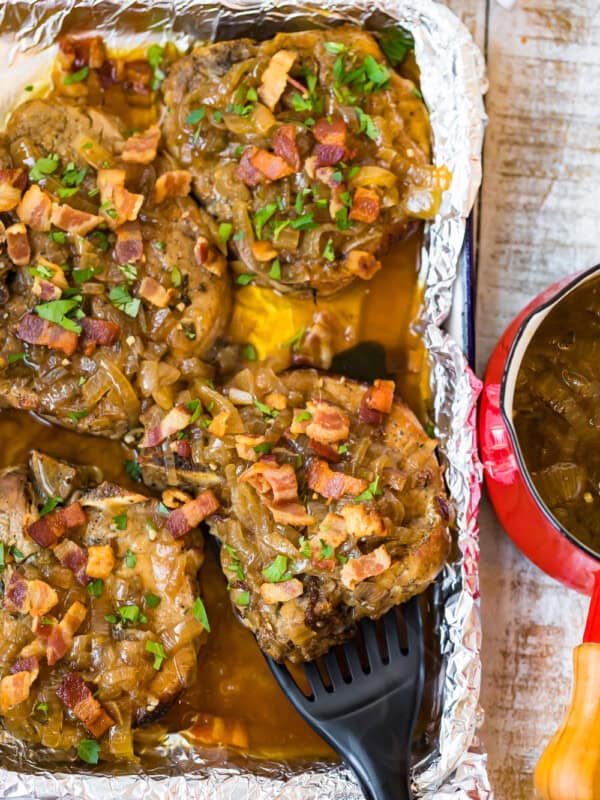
point(551, 301)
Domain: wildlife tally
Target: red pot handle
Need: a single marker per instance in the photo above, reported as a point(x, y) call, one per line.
point(496, 446)
point(592, 628)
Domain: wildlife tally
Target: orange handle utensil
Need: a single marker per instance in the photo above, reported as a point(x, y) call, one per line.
point(569, 768)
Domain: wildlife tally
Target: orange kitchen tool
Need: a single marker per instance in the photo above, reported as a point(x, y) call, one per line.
point(569, 768)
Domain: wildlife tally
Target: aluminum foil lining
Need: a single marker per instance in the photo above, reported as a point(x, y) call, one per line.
point(452, 76)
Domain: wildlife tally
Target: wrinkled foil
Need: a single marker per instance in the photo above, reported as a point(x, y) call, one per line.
point(452, 83)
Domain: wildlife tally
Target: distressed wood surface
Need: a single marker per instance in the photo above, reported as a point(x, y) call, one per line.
point(539, 221)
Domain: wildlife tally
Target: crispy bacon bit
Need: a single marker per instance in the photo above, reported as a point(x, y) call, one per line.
point(330, 130)
point(126, 204)
point(328, 483)
point(327, 155)
point(369, 415)
point(278, 488)
point(41, 628)
point(137, 77)
point(107, 180)
point(182, 447)
point(358, 569)
point(207, 257)
point(45, 290)
point(245, 445)
point(17, 244)
point(366, 205)
point(60, 639)
point(380, 396)
point(218, 426)
point(273, 593)
point(362, 263)
point(100, 561)
point(211, 730)
point(246, 172)
point(74, 558)
point(276, 400)
point(174, 421)
point(75, 53)
point(26, 664)
point(324, 450)
point(58, 275)
point(176, 183)
point(12, 183)
point(29, 597)
point(78, 697)
point(274, 78)
point(263, 251)
point(97, 332)
point(363, 521)
point(284, 145)
point(328, 423)
point(271, 166)
point(130, 246)
point(191, 514)
point(35, 209)
point(48, 530)
point(34, 330)
point(333, 530)
point(14, 689)
point(154, 293)
point(141, 147)
point(74, 221)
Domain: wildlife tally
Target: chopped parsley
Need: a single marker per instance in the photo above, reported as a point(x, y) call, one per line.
point(243, 599)
point(277, 572)
point(29, 88)
point(199, 611)
point(82, 275)
point(50, 505)
point(101, 240)
point(396, 43)
point(121, 522)
point(152, 600)
point(16, 357)
point(366, 124)
point(343, 448)
point(196, 115)
point(120, 298)
point(326, 550)
point(341, 219)
point(249, 352)
point(42, 708)
point(41, 272)
point(162, 509)
point(44, 166)
point(88, 750)
point(329, 252)
point(244, 279)
point(94, 588)
point(417, 92)
point(275, 271)
point(133, 469)
point(341, 558)
point(176, 277)
point(225, 230)
point(75, 416)
point(279, 226)
point(234, 565)
point(295, 340)
point(2, 561)
point(217, 116)
point(334, 47)
point(370, 492)
point(195, 409)
point(76, 77)
point(262, 217)
point(304, 547)
point(155, 56)
point(303, 416)
point(262, 448)
point(57, 310)
point(57, 236)
point(158, 651)
point(129, 271)
point(131, 614)
point(130, 559)
point(268, 412)
point(306, 222)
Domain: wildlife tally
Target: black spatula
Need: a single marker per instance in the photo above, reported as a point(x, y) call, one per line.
point(364, 699)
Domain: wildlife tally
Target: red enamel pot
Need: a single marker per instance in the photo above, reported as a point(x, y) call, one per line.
point(520, 509)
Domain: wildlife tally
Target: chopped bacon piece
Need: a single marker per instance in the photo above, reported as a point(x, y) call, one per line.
point(369, 415)
point(207, 257)
point(12, 183)
point(130, 246)
point(211, 730)
point(118, 205)
point(273, 593)
point(245, 445)
point(182, 447)
point(333, 529)
point(138, 74)
point(324, 450)
point(278, 488)
point(218, 426)
point(41, 628)
point(78, 697)
point(35, 330)
point(274, 78)
point(47, 530)
point(328, 483)
point(366, 205)
point(126, 204)
point(141, 147)
point(107, 181)
point(327, 155)
point(284, 145)
point(328, 423)
point(363, 521)
point(61, 635)
point(174, 421)
point(29, 597)
point(362, 263)
point(330, 131)
point(35, 209)
point(380, 396)
point(45, 290)
point(190, 514)
point(14, 689)
point(271, 166)
point(74, 221)
point(100, 561)
point(246, 171)
point(154, 293)
point(26, 664)
point(358, 569)
point(176, 183)
point(58, 275)
point(97, 332)
point(276, 400)
point(74, 558)
point(75, 52)
point(17, 244)
point(263, 251)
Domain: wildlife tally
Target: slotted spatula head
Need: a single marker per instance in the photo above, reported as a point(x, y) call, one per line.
point(363, 698)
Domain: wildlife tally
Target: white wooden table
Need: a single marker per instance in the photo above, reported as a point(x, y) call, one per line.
point(539, 221)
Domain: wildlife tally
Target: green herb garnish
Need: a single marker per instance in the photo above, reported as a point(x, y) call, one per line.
point(88, 750)
point(277, 572)
point(50, 505)
point(158, 651)
point(76, 77)
point(120, 298)
point(94, 588)
point(199, 611)
point(121, 521)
